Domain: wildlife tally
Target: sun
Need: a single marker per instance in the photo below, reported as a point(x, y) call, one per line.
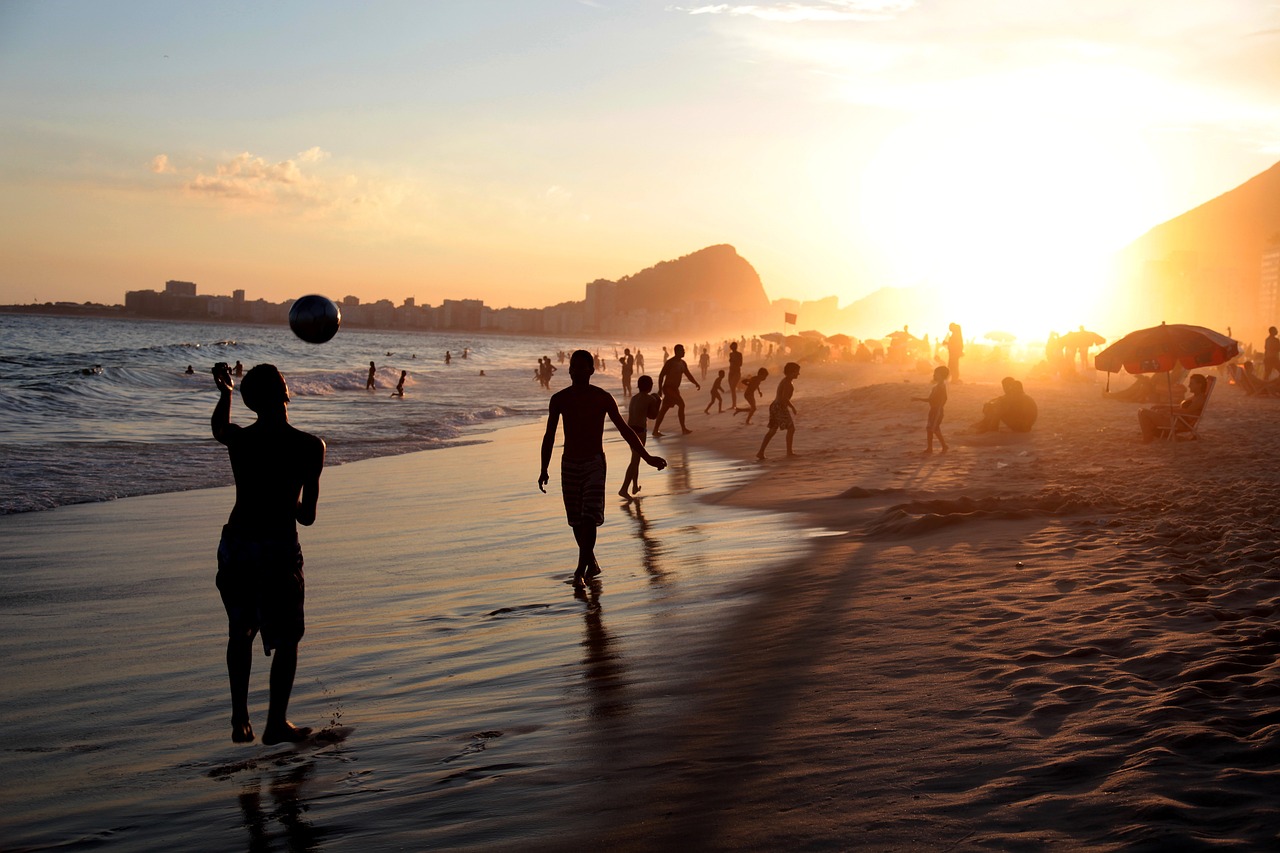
point(1010, 217)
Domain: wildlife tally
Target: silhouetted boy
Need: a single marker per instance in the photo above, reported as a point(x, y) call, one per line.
point(640, 410)
point(582, 464)
point(750, 388)
point(673, 369)
point(717, 395)
point(937, 399)
point(781, 410)
point(277, 473)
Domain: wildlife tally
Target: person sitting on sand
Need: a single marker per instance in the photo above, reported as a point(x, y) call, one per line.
point(937, 400)
point(1014, 407)
point(277, 474)
point(673, 370)
point(781, 409)
point(1159, 419)
point(399, 392)
point(717, 395)
point(642, 408)
point(750, 388)
point(582, 463)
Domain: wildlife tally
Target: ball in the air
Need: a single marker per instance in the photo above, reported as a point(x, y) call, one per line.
point(315, 319)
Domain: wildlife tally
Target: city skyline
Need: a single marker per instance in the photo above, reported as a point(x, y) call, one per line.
point(512, 153)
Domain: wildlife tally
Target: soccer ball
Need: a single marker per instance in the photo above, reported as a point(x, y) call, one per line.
point(315, 319)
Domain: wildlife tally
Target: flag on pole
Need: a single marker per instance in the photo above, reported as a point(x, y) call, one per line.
point(789, 318)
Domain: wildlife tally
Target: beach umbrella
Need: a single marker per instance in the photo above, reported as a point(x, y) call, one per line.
point(1082, 339)
point(1000, 337)
point(841, 340)
point(813, 333)
point(1159, 348)
point(774, 338)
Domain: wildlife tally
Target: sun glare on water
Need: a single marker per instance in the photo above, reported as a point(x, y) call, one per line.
point(1010, 219)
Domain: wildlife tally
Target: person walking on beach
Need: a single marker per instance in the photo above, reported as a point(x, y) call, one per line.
point(750, 388)
point(1270, 354)
point(642, 408)
point(735, 373)
point(582, 463)
point(277, 474)
point(704, 362)
point(717, 395)
point(955, 349)
point(368, 383)
point(937, 399)
point(669, 381)
point(781, 409)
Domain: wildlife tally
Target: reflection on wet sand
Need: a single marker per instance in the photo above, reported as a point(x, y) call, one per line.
point(288, 809)
point(651, 546)
point(602, 666)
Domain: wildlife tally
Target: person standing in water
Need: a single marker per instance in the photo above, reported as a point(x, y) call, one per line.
point(582, 463)
point(368, 383)
point(277, 474)
point(399, 392)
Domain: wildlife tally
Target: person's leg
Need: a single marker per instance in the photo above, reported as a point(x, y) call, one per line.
point(585, 534)
point(239, 665)
point(284, 665)
point(662, 413)
point(791, 434)
point(632, 477)
point(767, 437)
point(680, 414)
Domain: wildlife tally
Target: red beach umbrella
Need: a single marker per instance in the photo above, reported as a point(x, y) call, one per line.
point(1159, 348)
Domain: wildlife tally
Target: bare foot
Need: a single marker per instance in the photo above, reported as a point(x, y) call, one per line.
point(591, 572)
point(242, 731)
point(288, 733)
point(686, 431)
point(791, 455)
point(657, 434)
point(635, 490)
point(622, 493)
point(760, 456)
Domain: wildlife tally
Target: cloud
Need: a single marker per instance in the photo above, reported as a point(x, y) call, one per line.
point(300, 186)
point(790, 13)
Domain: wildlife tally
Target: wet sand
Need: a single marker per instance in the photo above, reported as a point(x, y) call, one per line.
point(1059, 639)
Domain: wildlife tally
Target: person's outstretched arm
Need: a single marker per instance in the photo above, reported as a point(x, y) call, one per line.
point(691, 379)
point(625, 430)
point(220, 422)
point(549, 442)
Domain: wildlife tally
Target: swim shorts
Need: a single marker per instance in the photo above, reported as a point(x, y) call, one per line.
point(262, 588)
point(780, 416)
point(582, 484)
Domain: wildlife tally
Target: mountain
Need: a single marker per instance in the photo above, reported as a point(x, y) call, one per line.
point(1204, 266)
point(717, 275)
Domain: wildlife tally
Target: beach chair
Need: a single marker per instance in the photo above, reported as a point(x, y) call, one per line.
point(1186, 426)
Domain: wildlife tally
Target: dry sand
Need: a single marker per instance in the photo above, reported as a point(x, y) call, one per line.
point(1060, 639)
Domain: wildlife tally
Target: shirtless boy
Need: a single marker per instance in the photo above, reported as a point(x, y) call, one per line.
point(277, 474)
point(669, 381)
point(582, 464)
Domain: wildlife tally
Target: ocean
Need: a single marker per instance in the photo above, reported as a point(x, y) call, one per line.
point(93, 409)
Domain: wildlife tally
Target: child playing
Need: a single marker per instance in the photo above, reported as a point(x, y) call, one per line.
point(717, 395)
point(781, 410)
point(937, 399)
point(642, 408)
point(751, 387)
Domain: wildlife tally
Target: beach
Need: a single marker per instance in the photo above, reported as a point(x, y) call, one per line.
point(1063, 638)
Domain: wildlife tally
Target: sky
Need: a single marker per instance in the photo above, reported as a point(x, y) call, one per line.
point(992, 150)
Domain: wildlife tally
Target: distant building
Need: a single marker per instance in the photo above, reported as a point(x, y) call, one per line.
point(1269, 285)
point(180, 288)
